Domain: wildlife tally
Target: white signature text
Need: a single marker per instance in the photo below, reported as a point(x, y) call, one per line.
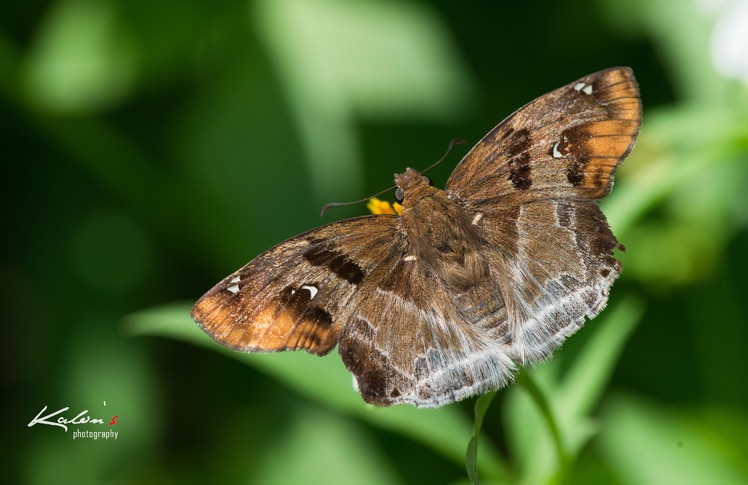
point(62, 421)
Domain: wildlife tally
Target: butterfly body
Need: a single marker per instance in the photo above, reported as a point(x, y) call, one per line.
point(440, 235)
point(448, 299)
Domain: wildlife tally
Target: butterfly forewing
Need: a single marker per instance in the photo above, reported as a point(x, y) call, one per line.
point(567, 143)
point(296, 295)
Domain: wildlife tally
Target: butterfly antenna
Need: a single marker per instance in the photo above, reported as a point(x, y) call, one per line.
point(343, 204)
point(452, 143)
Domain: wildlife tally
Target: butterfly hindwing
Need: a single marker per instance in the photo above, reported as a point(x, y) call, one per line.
point(407, 340)
point(555, 268)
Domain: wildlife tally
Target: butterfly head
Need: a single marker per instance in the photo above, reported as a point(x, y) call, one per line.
point(412, 186)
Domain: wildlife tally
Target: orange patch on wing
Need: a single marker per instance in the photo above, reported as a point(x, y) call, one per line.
point(613, 127)
point(609, 146)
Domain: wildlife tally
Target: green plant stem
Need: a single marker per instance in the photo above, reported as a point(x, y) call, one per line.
point(471, 460)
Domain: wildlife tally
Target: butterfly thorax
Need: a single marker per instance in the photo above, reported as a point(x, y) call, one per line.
point(441, 236)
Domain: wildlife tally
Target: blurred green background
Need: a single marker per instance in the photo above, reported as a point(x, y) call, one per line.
point(150, 148)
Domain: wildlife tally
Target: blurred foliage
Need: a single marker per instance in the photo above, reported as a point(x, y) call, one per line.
point(151, 148)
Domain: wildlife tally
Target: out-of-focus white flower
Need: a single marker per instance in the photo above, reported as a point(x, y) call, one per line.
point(729, 42)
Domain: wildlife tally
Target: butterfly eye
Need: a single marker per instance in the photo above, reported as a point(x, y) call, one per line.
point(399, 195)
point(428, 180)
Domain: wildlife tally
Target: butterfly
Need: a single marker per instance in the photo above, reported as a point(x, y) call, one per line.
point(448, 299)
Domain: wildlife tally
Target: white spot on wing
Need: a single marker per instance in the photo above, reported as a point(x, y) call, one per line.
point(556, 153)
point(233, 289)
point(311, 289)
point(585, 88)
point(235, 279)
point(409, 258)
point(477, 218)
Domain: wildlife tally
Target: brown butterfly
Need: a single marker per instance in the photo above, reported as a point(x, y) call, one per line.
point(446, 300)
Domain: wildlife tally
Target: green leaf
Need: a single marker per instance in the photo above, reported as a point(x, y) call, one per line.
point(541, 401)
point(300, 456)
point(326, 381)
point(646, 443)
point(587, 378)
point(549, 424)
